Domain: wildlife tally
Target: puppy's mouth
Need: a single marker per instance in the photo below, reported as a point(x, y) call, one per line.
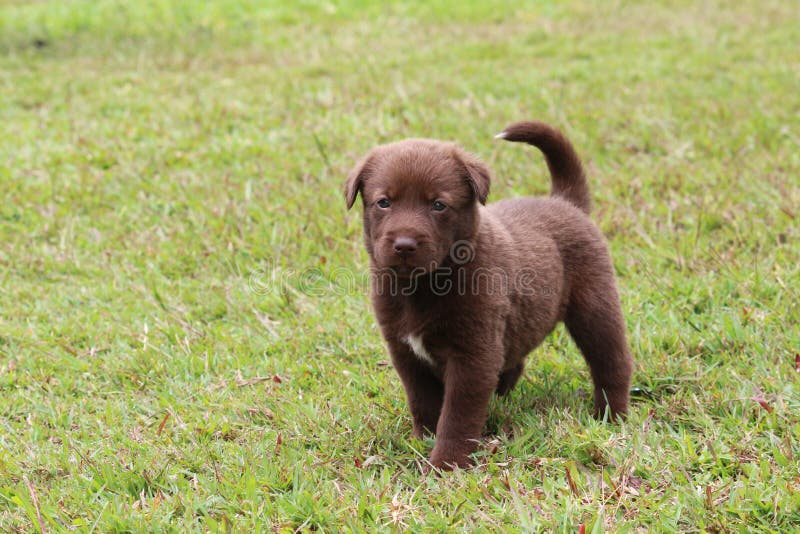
point(405, 266)
point(405, 270)
point(408, 267)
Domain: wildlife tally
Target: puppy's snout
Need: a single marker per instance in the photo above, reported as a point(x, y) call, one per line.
point(405, 246)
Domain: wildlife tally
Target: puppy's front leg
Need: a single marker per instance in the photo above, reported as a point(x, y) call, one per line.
point(424, 391)
point(469, 382)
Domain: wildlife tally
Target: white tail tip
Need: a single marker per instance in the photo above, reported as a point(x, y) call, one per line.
point(501, 135)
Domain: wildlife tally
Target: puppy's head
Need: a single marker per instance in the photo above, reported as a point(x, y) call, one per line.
point(420, 197)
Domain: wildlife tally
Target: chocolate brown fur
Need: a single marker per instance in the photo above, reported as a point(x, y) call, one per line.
point(464, 292)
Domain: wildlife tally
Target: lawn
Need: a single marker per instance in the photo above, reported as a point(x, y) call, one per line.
point(186, 341)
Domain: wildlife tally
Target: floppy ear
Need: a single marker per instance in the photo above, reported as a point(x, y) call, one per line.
point(355, 179)
point(477, 174)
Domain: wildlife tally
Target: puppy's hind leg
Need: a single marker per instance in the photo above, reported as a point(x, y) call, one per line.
point(594, 320)
point(508, 379)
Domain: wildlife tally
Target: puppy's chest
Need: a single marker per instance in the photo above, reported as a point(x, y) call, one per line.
point(423, 335)
point(428, 340)
point(426, 330)
point(415, 342)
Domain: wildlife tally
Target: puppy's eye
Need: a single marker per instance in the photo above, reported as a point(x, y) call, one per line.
point(384, 203)
point(439, 205)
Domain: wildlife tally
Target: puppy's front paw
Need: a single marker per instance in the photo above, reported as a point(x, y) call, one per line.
point(450, 454)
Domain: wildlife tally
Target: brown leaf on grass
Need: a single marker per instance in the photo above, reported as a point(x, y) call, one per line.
point(278, 442)
point(35, 501)
point(261, 413)
point(759, 398)
point(507, 427)
point(628, 484)
point(635, 482)
point(157, 499)
point(241, 382)
point(136, 434)
point(357, 462)
point(252, 381)
point(492, 446)
point(538, 461)
point(374, 459)
point(572, 486)
point(797, 362)
point(229, 434)
point(163, 424)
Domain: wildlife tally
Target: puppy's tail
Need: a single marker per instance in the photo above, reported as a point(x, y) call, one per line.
point(566, 171)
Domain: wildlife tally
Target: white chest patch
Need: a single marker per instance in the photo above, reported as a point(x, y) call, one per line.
point(415, 342)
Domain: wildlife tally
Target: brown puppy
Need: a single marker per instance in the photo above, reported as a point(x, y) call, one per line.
point(464, 292)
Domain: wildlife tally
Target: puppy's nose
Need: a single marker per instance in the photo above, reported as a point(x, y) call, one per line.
point(405, 245)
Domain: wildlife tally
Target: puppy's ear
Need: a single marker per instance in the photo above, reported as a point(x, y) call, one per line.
point(356, 178)
point(477, 174)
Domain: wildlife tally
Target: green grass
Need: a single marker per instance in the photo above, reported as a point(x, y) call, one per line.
point(163, 164)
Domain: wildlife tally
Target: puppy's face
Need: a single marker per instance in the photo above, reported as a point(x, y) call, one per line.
point(420, 197)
